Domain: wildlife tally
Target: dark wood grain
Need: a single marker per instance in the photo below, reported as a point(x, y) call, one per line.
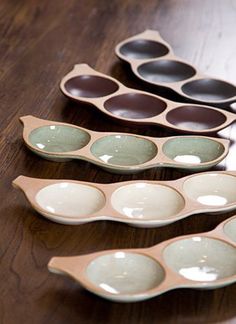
point(40, 42)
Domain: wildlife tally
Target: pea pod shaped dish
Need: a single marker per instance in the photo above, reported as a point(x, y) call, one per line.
point(140, 203)
point(84, 84)
point(130, 275)
point(121, 152)
point(153, 61)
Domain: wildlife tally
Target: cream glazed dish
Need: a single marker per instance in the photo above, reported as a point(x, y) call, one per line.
point(132, 275)
point(140, 203)
point(153, 61)
point(121, 152)
point(126, 105)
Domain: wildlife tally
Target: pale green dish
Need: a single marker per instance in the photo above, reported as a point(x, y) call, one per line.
point(230, 229)
point(119, 152)
point(192, 150)
point(59, 138)
point(126, 150)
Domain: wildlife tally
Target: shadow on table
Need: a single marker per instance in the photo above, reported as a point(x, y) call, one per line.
point(178, 306)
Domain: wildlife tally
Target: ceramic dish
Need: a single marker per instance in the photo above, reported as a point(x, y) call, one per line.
point(84, 84)
point(140, 203)
point(152, 60)
point(131, 275)
point(121, 152)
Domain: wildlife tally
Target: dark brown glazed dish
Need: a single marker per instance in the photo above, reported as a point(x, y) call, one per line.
point(153, 61)
point(130, 105)
point(166, 71)
point(84, 84)
point(201, 118)
point(90, 86)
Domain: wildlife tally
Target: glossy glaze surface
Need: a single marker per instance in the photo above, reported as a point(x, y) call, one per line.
point(143, 49)
point(70, 199)
point(147, 201)
point(211, 189)
point(129, 273)
point(137, 203)
point(195, 118)
point(124, 150)
point(163, 71)
point(117, 152)
point(59, 138)
point(192, 150)
point(187, 261)
point(201, 258)
point(131, 105)
point(91, 86)
point(167, 71)
point(209, 89)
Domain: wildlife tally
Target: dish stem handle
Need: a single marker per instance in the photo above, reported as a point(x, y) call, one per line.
point(70, 266)
point(22, 182)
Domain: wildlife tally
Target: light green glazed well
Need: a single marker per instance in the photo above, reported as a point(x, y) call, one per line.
point(230, 229)
point(125, 150)
point(201, 259)
point(59, 138)
point(193, 150)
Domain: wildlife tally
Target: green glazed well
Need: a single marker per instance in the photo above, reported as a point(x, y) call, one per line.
point(125, 150)
point(59, 138)
point(193, 150)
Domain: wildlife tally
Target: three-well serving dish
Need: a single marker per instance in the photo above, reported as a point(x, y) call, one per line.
point(152, 60)
point(203, 261)
point(140, 203)
point(121, 152)
point(84, 84)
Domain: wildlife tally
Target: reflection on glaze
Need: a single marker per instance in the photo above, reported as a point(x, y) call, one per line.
point(187, 158)
point(212, 200)
point(70, 199)
point(203, 273)
point(108, 288)
point(194, 125)
point(147, 201)
point(125, 273)
point(201, 258)
point(106, 158)
point(126, 150)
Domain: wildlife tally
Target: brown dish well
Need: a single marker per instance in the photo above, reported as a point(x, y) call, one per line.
point(152, 60)
point(134, 106)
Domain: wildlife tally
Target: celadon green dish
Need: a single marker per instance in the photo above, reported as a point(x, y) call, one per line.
point(121, 152)
point(199, 261)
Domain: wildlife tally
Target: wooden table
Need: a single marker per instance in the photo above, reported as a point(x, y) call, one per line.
point(40, 43)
